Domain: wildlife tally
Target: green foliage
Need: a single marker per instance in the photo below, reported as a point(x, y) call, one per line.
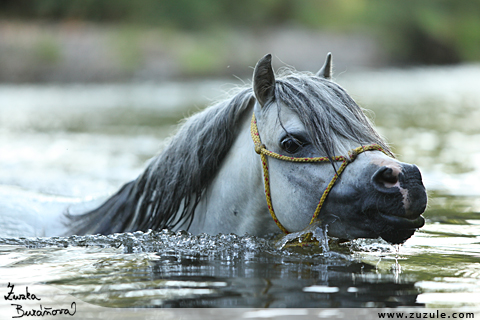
point(126, 48)
point(430, 31)
point(47, 50)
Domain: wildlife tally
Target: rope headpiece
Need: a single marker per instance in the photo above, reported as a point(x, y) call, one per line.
point(264, 152)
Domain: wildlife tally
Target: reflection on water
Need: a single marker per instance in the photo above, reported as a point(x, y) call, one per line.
point(83, 141)
point(182, 270)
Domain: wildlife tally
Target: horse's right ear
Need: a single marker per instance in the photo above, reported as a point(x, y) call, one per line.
point(264, 80)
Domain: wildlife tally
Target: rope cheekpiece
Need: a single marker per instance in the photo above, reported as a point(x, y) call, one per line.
point(264, 152)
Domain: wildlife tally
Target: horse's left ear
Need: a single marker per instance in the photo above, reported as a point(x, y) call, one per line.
point(264, 80)
point(326, 70)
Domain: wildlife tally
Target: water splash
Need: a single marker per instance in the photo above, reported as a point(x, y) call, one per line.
point(321, 235)
point(397, 267)
point(183, 243)
point(396, 270)
point(378, 246)
point(397, 249)
point(318, 233)
point(150, 241)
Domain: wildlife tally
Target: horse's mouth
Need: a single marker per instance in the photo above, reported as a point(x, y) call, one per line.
point(398, 229)
point(403, 222)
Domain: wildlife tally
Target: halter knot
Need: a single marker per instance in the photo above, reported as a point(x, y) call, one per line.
point(352, 154)
point(259, 147)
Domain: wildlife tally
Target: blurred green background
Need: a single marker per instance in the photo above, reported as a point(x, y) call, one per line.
point(122, 40)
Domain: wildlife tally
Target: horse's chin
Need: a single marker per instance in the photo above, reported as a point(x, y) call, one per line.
point(397, 230)
point(391, 228)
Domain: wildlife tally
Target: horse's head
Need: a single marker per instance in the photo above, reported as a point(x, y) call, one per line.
point(301, 117)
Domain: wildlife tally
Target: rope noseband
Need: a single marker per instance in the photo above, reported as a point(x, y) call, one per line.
point(264, 152)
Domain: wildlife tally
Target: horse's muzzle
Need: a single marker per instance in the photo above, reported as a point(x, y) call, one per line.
point(405, 181)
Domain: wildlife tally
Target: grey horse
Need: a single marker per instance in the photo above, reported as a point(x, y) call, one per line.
point(209, 179)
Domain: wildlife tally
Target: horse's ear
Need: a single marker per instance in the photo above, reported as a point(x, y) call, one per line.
point(326, 70)
point(264, 80)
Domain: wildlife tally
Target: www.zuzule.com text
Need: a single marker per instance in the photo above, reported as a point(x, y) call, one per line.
point(426, 315)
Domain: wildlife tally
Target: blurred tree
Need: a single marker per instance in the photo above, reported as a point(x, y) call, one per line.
point(428, 31)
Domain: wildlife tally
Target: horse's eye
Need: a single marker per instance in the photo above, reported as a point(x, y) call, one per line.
point(291, 145)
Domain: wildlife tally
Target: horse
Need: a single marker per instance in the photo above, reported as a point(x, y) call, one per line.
point(289, 151)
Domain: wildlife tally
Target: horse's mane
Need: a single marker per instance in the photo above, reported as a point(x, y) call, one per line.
point(176, 179)
point(166, 194)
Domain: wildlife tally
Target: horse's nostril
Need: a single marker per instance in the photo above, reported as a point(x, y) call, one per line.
point(389, 177)
point(385, 177)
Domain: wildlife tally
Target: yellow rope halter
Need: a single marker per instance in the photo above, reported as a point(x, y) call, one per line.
point(264, 152)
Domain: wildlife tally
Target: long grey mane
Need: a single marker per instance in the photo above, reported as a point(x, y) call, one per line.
point(176, 179)
point(167, 193)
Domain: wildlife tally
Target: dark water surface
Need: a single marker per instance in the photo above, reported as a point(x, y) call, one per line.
point(85, 141)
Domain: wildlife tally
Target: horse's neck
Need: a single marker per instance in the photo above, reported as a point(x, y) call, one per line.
point(235, 200)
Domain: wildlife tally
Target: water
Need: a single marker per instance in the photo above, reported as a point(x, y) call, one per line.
point(79, 142)
point(165, 269)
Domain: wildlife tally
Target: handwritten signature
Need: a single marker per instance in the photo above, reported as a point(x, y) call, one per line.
point(41, 311)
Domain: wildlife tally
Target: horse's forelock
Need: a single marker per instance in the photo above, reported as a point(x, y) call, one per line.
point(328, 113)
